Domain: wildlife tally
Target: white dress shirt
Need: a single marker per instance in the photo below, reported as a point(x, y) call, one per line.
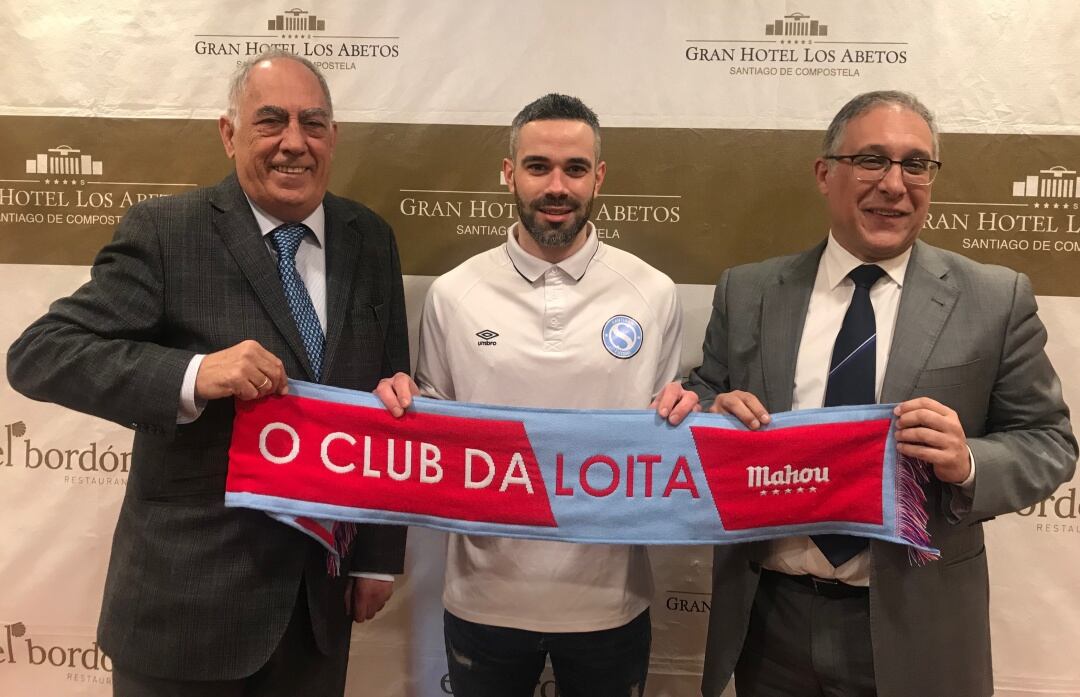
point(829, 301)
point(311, 265)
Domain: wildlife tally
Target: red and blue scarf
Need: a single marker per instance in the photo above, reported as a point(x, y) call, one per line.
point(323, 456)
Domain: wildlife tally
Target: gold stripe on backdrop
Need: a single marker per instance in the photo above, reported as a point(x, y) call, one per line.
point(690, 201)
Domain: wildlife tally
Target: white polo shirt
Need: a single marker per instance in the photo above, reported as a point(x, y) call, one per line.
point(508, 328)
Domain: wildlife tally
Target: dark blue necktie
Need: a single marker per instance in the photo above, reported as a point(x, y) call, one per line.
point(286, 241)
point(851, 381)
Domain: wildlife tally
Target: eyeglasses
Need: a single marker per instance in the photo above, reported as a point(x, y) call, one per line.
point(873, 168)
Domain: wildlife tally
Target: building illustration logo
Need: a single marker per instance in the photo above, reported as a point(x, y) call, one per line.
point(1055, 182)
point(63, 159)
point(796, 24)
point(796, 45)
point(300, 32)
point(296, 19)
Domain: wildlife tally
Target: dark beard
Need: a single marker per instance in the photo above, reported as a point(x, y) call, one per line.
point(552, 237)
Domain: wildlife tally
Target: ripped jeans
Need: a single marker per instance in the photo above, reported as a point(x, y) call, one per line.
point(489, 661)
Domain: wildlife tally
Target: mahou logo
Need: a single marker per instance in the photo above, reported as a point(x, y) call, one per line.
point(19, 647)
point(788, 478)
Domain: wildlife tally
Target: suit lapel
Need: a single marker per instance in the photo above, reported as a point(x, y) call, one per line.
point(235, 224)
point(343, 249)
point(925, 304)
point(783, 314)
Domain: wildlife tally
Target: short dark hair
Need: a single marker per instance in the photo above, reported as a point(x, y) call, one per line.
point(866, 101)
point(552, 107)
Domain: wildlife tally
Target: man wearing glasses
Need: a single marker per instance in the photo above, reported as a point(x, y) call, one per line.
point(869, 315)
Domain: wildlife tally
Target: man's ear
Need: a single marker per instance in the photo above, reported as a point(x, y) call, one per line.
point(225, 127)
point(821, 172)
point(508, 174)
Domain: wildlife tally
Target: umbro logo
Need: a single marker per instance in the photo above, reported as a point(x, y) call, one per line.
point(487, 337)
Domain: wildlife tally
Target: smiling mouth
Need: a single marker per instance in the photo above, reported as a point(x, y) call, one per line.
point(886, 212)
point(285, 169)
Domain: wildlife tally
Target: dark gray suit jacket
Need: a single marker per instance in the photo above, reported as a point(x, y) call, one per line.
point(197, 591)
point(967, 335)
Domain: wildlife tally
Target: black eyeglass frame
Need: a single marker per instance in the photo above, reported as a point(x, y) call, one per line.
point(863, 157)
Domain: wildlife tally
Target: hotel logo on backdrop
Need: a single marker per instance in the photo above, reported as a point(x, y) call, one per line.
point(65, 186)
point(795, 45)
point(796, 24)
point(302, 32)
point(1056, 182)
point(297, 23)
point(64, 160)
point(466, 214)
point(1032, 213)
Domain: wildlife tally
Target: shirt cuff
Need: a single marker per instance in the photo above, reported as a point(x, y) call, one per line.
point(968, 485)
point(964, 496)
point(190, 407)
point(372, 576)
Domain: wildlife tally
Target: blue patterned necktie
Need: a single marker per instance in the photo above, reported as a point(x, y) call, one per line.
point(851, 381)
point(286, 239)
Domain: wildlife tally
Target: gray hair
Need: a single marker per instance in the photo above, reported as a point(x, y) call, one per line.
point(863, 103)
point(239, 79)
point(553, 107)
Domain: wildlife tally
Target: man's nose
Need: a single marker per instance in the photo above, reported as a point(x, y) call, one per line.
point(557, 184)
point(893, 181)
point(292, 138)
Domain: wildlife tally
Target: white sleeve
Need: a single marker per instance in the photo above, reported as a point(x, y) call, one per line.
point(433, 375)
point(190, 407)
point(671, 342)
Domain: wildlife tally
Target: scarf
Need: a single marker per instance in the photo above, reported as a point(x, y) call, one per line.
point(322, 458)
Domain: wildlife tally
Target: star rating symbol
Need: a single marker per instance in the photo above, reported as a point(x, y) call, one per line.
point(800, 490)
point(764, 493)
point(1036, 204)
point(1055, 205)
point(775, 492)
point(787, 491)
point(813, 489)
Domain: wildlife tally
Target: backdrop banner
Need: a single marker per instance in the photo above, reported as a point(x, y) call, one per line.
point(712, 116)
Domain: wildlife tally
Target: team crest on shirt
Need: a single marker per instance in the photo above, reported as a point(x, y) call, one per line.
point(622, 336)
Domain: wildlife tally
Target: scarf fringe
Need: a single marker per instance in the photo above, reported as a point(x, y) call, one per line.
point(912, 475)
point(344, 534)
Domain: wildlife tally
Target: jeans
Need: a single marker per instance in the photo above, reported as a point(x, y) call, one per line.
point(489, 661)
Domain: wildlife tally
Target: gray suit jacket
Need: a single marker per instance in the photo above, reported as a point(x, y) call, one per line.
point(197, 591)
point(967, 335)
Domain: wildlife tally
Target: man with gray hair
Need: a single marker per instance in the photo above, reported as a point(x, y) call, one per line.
point(214, 295)
point(872, 315)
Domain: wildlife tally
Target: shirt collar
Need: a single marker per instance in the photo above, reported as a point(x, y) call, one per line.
point(267, 223)
point(532, 268)
point(838, 263)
